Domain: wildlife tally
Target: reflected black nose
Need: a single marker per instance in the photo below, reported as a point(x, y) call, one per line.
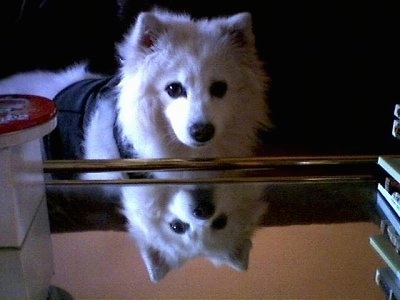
point(204, 210)
point(202, 132)
point(203, 207)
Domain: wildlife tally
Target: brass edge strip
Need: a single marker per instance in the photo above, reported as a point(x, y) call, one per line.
point(285, 179)
point(250, 163)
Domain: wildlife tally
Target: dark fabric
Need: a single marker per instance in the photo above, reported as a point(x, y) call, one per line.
point(74, 105)
point(126, 149)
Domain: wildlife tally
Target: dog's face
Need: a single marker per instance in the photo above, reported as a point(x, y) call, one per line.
point(172, 225)
point(198, 80)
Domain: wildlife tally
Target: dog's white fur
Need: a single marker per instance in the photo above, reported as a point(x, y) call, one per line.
point(44, 83)
point(194, 54)
point(164, 48)
point(151, 209)
point(163, 51)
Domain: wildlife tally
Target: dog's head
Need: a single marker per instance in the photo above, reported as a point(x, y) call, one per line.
point(200, 80)
point(172, 225)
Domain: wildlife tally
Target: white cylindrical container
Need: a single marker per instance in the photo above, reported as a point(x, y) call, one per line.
point(26, 258)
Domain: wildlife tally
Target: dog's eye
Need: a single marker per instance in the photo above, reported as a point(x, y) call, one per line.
point(218, 89)
point(175, 90)
point(178, 226)
point(220, 222)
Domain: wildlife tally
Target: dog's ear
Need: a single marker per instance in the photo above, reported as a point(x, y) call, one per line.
point(147, 29)
point(139, 40)
point(238, 259)
point(156, 263)
point(239, 29)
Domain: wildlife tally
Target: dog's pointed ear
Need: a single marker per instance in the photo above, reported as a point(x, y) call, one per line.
point(239, 29)
point(147, 29)
point(156, 263)
point(239, 257)
point(140, 39)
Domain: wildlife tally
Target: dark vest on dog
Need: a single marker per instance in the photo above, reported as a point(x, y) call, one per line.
point(75, 104)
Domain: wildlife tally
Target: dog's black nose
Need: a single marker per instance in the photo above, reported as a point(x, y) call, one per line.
point(202, 132)
point(204, 210)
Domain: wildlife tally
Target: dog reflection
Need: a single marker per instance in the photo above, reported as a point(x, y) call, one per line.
point(172, 224)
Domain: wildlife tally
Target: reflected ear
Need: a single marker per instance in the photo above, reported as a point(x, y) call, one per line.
point(239, 258)
point(156, 264)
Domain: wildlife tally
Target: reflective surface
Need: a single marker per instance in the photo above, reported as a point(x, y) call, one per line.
point(312, 241)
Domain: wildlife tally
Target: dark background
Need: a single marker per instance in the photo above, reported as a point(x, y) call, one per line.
point(334, 65)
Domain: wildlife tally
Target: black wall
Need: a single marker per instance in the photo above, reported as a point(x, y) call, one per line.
point(334, 65)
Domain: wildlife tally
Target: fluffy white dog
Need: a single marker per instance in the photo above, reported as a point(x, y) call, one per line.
point(185, 89)
point(172, 224)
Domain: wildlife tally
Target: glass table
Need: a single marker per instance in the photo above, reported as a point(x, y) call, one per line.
point(315, 215)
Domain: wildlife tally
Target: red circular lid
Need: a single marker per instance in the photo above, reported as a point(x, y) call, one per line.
point(19, 112)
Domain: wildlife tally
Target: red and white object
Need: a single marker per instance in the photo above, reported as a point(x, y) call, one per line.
point(25, 244)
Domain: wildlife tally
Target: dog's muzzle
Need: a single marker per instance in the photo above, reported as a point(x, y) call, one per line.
point(202, 132)
point(204, 210)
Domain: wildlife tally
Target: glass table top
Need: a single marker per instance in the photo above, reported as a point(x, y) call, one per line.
point(268, 235)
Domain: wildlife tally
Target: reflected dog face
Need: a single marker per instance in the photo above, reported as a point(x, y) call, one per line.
point(174, 224)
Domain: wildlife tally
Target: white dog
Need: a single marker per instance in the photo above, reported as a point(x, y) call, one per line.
point(186, 89)
point(172, 224)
